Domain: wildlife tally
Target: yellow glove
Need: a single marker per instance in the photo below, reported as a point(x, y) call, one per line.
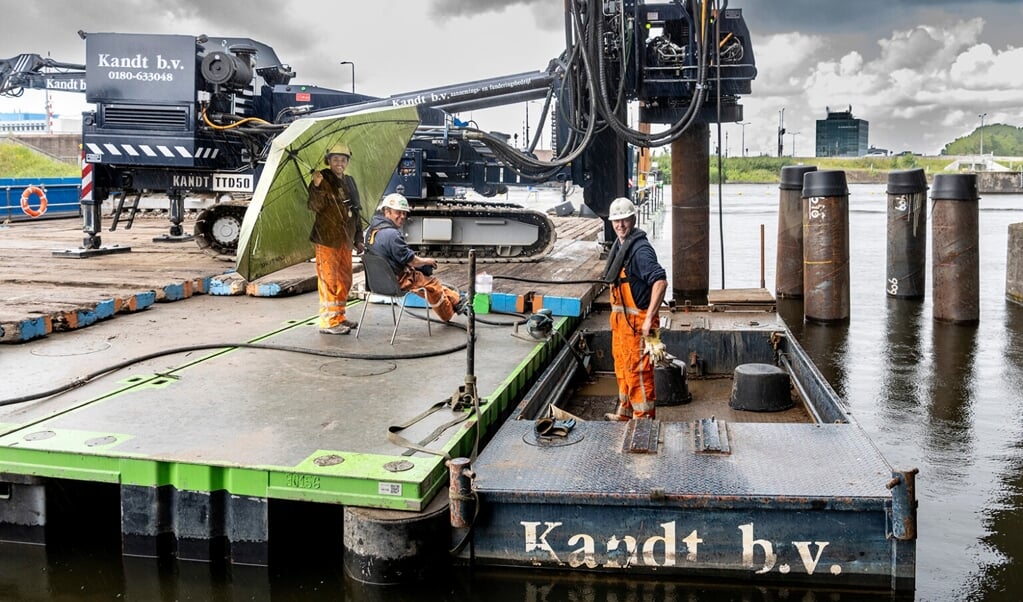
point(653, 347)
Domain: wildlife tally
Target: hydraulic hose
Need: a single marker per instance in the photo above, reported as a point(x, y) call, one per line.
point(206, 346)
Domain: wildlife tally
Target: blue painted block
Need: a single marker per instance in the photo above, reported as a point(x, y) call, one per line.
point(174, 292)
point(31, 329)
point(85, 318)
point(105, 309)
point(217, 287)
point(503, 302)
point(553, 304)
point(145, 299)
point(268, 290)
point(563, 306)
point(413, 300)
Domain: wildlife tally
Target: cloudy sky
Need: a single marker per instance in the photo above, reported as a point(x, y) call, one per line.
point(920, 71)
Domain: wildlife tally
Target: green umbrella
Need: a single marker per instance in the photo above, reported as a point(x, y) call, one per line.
point(275, 231)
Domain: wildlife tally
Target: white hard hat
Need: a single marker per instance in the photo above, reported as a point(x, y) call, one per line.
point(338, 149)
point(395, 201)
point(621, 208)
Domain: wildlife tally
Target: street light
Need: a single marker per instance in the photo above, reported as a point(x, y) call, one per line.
point(353, 73)
point(982, 116)
point(781, 131)
point(744, 124)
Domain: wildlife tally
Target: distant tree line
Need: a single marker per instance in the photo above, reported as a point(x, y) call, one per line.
point(1000, 140)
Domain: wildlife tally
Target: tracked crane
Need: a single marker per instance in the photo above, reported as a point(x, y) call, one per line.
point(193, 116)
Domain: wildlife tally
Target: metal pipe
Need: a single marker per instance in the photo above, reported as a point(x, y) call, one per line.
point(763, 283)
point(690, 216)
point(907, 234)
point(788, 275)
point(803, 394)
point(955, 239)
point(461, 502)
point(904, 503)
point(826, 246)
point(470, 348)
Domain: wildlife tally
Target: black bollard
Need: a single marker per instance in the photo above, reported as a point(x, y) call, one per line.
point(788, 276)
point(906, 274)
point(954, 237)
point(825, 246)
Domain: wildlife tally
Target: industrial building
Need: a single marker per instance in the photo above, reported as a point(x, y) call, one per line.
point(841, 135)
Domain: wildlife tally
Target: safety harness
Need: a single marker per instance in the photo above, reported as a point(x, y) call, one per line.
point(614, 274)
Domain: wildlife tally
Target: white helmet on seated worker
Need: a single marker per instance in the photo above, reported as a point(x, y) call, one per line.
point(621, 208)
point(395, 201)
point(338, 149)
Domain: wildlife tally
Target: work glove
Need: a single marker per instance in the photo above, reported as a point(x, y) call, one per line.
point(549, 427)
point(653, 347)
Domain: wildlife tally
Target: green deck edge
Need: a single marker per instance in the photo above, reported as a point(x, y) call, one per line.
point(349, 478)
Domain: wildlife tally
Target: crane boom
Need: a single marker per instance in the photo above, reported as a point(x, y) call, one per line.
point(36, 72)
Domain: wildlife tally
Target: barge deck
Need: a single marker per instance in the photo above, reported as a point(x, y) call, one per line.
point(795, 495)
point(207, 429)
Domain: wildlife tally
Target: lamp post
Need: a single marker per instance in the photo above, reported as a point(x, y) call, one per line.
point(353, 73)
point(744, 124)
point(982, 116)
point(781, 131)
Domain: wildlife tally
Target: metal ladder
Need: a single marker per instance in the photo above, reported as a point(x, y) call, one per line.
point(120, 206)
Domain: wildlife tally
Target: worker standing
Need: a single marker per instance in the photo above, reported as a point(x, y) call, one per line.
point(337, 231)
point(385, 238)
point(638, 283)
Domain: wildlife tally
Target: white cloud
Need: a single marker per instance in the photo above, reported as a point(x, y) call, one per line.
point(920, 76)
point(924, 88)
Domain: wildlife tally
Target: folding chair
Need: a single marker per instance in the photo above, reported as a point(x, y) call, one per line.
point(381, 281)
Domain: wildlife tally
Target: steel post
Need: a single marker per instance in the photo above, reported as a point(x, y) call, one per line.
point(906, 274)
point(825, 246)
point(462, 504)
point(954, 238)
point(788, 277)
point(690, 216)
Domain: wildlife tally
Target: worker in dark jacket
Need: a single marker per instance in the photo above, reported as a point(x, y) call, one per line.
point(384, 237)
point(337, 231)
point(638, 283)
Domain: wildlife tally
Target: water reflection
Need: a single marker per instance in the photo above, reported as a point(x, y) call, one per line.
point(791, 312)
point(827, 345)
point(950, 392)
point(902, 390)
point(543, 586)
point(1004, 580)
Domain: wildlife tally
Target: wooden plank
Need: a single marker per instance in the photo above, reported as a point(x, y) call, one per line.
point(736, 296)
point(44, 293)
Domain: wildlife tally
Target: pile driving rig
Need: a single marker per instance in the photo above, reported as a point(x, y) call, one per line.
point(186, 116)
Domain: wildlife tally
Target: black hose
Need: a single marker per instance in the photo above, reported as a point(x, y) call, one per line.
point(324, 353)
point(540, 281)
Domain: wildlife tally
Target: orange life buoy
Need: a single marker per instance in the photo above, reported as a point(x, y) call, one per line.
point(25, 196)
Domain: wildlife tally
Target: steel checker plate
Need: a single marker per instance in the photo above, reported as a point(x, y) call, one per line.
point(785, 461)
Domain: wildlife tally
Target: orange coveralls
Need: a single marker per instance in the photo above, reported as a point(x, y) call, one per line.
point(336, 231)
point(333, 282)
point(633, 369)
point(441, 298)
point(385, 239)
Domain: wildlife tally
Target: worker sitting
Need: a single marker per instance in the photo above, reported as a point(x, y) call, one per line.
point(385, 238)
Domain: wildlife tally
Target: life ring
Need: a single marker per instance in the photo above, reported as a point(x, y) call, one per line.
point(27, 208)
